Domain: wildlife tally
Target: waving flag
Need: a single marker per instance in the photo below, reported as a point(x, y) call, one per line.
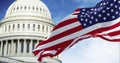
point(102, 21)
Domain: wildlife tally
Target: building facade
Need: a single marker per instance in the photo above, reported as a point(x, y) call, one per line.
point(25, 24)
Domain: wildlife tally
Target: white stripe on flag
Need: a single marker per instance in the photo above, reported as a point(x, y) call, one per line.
point(65, 28)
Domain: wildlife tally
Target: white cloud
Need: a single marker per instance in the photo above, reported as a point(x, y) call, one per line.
point(92, 51)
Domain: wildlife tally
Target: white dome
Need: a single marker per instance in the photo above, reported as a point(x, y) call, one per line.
point(27, 16)
point(25, 24)
point(28, 7)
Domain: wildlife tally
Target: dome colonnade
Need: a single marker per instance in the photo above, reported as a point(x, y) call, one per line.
point(17, 47)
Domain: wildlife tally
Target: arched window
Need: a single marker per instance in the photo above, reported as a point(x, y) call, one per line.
point(33, 27)
point(13, 27)
point(38, 27)
point(36, 8)
point(33, 8)
point(43, 27)
point(14, 8)
point(47, 29)
point(40, 9)
point(25, 7)
point(9, 28)
point(23, 26)
point(28, 26)
point(18, 26)
point(17, 8)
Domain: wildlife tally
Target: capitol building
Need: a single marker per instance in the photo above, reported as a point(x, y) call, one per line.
point(26, 23)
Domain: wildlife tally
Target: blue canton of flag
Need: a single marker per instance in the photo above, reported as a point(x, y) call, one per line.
point(106, 10)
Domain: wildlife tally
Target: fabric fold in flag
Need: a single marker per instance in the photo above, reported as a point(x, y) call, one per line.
point(101, 21)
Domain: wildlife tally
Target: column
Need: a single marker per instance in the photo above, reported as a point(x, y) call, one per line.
point(31, 45)
point(9, 48)
point(24, 47)
point(41, 28)
point(15, 44)
point(45, 31)
point(18, 47)
point(2, 48)
point(49, 29)
point(6, 46)
point(12, 48)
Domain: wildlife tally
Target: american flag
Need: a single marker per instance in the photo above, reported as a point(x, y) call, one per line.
point(102, 21)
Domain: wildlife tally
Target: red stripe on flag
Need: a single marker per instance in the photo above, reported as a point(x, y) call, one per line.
point(65, 33)
point(66, 22)
point(100, 30)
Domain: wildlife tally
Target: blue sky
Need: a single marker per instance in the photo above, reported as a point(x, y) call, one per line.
point(93, 50)
point(62, 8)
